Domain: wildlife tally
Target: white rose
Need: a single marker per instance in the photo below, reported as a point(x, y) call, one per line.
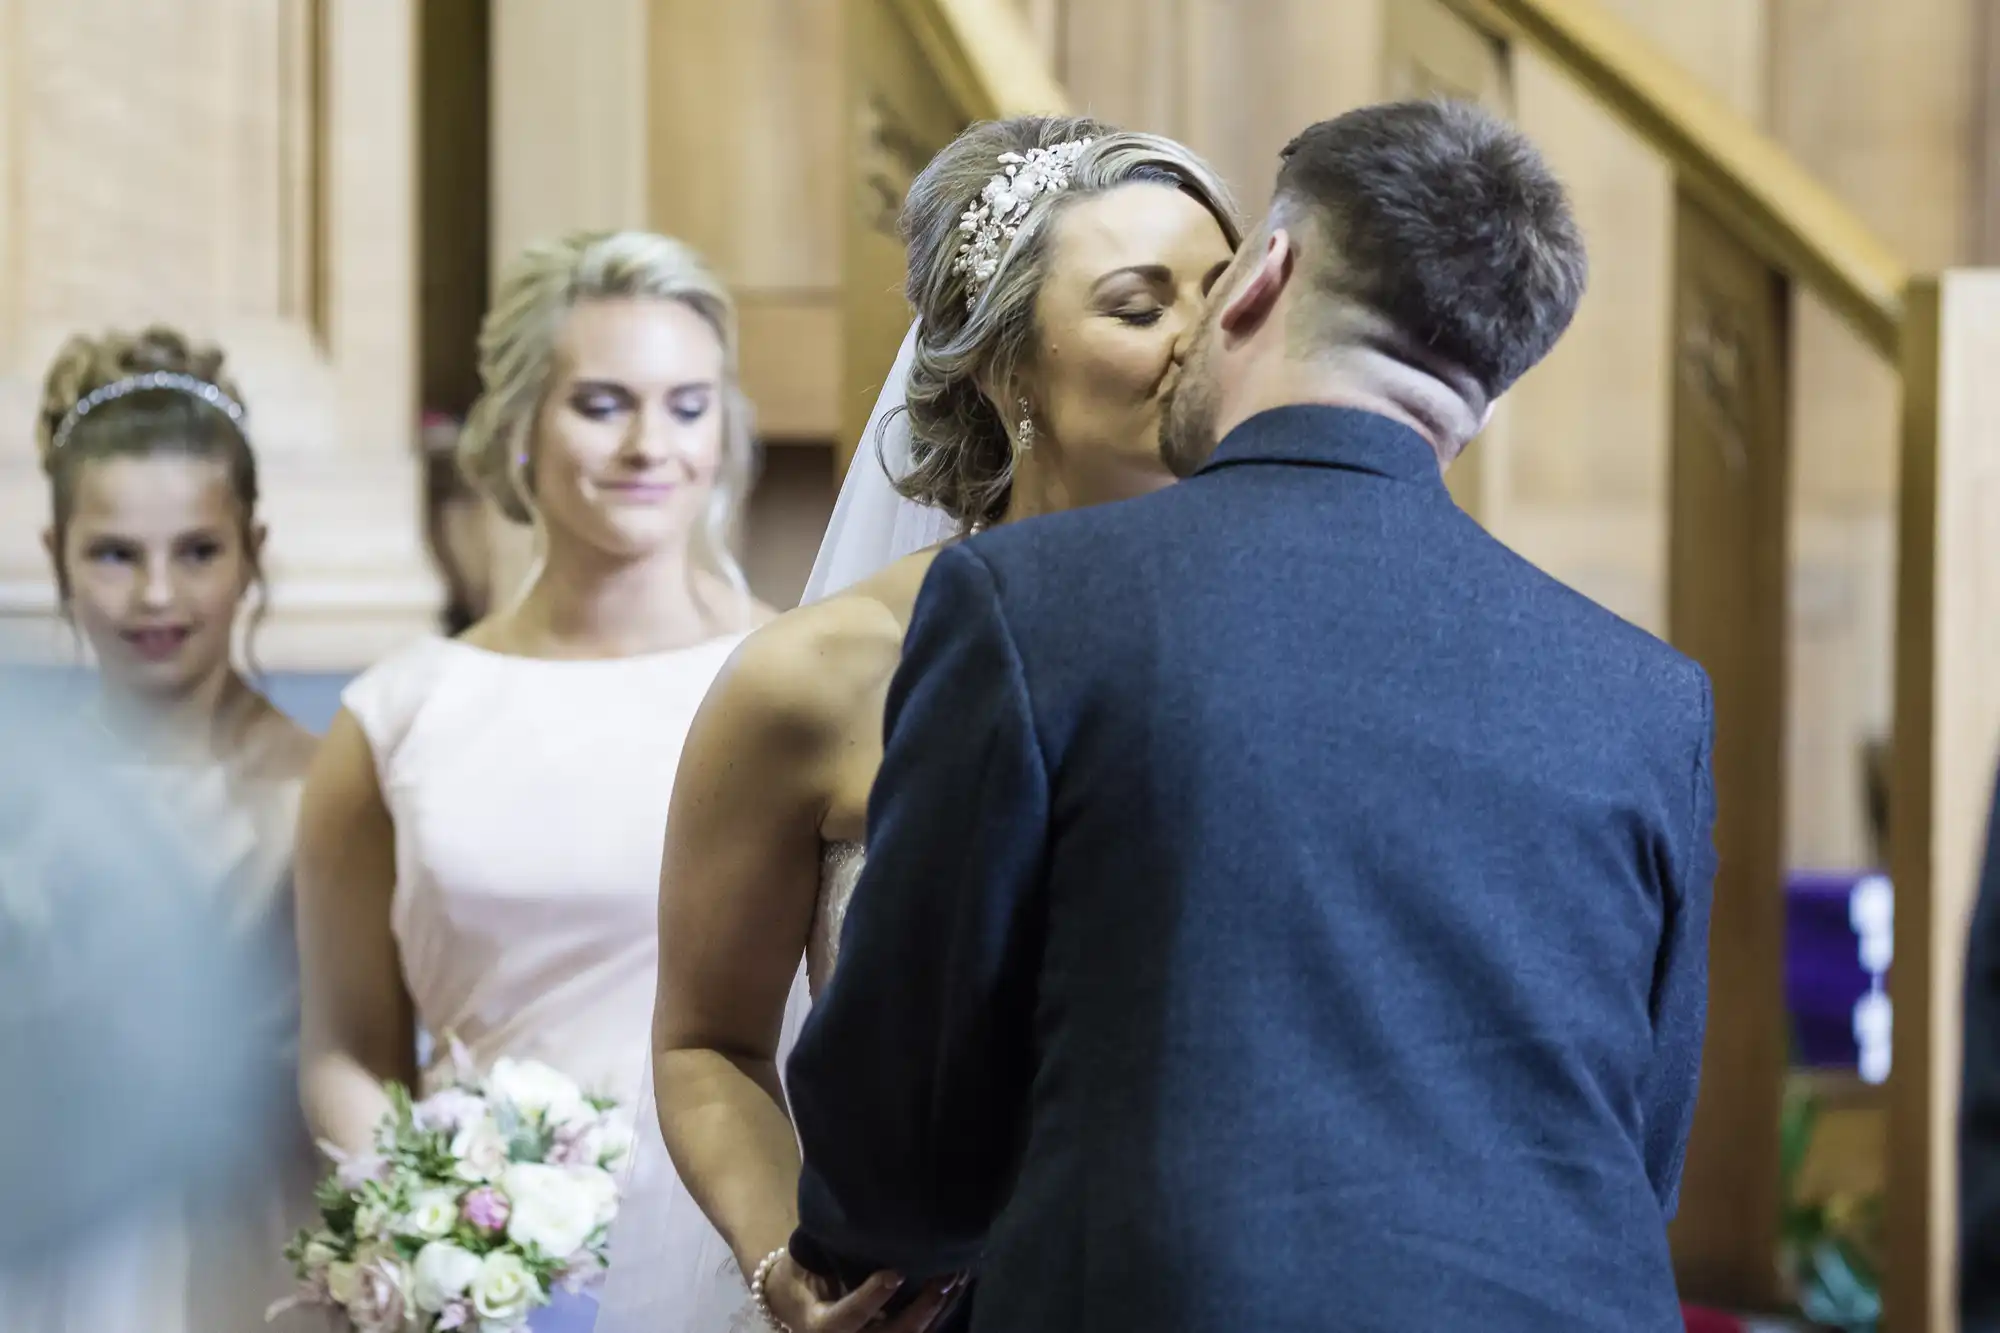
point(444, 1271)
point(554, 1212)
point(503, 1290)
point(618, 1135)
point(481, 1151)
point(601, 1188)
point(371, 1221)
point(343, 1283)
point(536, 1089)
point(432, 1214)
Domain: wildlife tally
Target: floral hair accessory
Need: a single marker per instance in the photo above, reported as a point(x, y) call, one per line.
point(1004, 205)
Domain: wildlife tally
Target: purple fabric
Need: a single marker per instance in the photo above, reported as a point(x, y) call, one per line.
point(1823, 972)
point(565, 1314)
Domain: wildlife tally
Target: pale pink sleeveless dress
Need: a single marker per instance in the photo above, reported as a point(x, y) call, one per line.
point(530, 803)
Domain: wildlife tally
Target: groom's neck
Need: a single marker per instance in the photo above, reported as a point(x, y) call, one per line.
point(1366, 380)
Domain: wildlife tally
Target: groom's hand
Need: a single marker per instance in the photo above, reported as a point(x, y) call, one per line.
point(807, 1303)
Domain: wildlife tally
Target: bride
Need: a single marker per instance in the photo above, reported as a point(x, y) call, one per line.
point(1057, 267)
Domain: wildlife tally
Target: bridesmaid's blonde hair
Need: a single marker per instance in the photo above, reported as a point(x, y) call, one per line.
point(517, 349)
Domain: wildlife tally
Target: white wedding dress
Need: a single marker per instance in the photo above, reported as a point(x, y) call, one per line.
point(529, 798)
point(839, 872)
point(652, 1288)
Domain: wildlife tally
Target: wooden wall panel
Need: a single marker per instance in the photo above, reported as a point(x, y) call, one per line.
point(1233, 79)
point(1586, 477)
point(1726, 43)
point(1046, 19)
point(1983, 138)
point(1729, 580)
point(570, 131)
point(745, 161)
point(1253, 85)
point(1948, 733)
point(1878, 102)
point(243, 169)
point(717, 123)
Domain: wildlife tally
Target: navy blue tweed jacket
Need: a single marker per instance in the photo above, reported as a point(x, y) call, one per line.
point(1286, 909)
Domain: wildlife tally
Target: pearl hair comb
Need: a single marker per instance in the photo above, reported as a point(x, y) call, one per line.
point(1004, 205)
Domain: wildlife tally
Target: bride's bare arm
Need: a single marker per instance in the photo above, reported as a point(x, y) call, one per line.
point(738, 886)
point(357, 1027)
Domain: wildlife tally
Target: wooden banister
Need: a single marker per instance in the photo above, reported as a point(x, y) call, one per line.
point(1756, 189)
point(985, 56)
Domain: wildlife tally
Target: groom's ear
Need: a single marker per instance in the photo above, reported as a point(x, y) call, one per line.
point(1256, 297)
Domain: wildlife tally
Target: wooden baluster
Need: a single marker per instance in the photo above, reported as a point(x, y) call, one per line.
point(1947, 724)
point(1727, 607)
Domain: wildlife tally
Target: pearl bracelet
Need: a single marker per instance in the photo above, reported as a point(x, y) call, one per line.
point(757, 1294)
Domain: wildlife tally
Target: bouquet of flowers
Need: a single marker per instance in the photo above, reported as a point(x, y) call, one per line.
point(476, 1203)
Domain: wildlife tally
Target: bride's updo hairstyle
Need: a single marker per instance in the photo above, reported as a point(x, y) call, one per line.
point(973, 333)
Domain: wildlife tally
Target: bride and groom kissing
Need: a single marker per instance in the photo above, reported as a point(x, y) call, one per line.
point(1284, 907)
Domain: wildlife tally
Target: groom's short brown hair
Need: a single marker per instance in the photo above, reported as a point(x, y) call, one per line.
point(1444, 220)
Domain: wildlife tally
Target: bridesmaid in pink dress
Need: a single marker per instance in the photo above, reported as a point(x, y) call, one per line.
point(479, 847)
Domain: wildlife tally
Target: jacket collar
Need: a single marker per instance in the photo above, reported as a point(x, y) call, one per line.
point(1315, 435)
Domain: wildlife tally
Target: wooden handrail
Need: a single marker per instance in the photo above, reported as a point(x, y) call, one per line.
point(985, 56)
point(1757, 189)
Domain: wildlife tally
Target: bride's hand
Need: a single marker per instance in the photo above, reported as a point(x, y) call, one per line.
point(805, 1303)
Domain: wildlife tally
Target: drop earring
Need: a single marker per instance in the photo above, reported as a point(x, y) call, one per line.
point(1027, 427)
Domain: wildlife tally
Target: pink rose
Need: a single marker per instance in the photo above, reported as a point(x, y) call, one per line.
point(456, 1315)
point(486, 1208)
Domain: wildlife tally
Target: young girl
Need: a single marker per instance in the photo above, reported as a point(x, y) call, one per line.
point(155, 543)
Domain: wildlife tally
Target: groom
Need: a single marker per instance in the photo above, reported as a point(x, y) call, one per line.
point(1286, 908)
